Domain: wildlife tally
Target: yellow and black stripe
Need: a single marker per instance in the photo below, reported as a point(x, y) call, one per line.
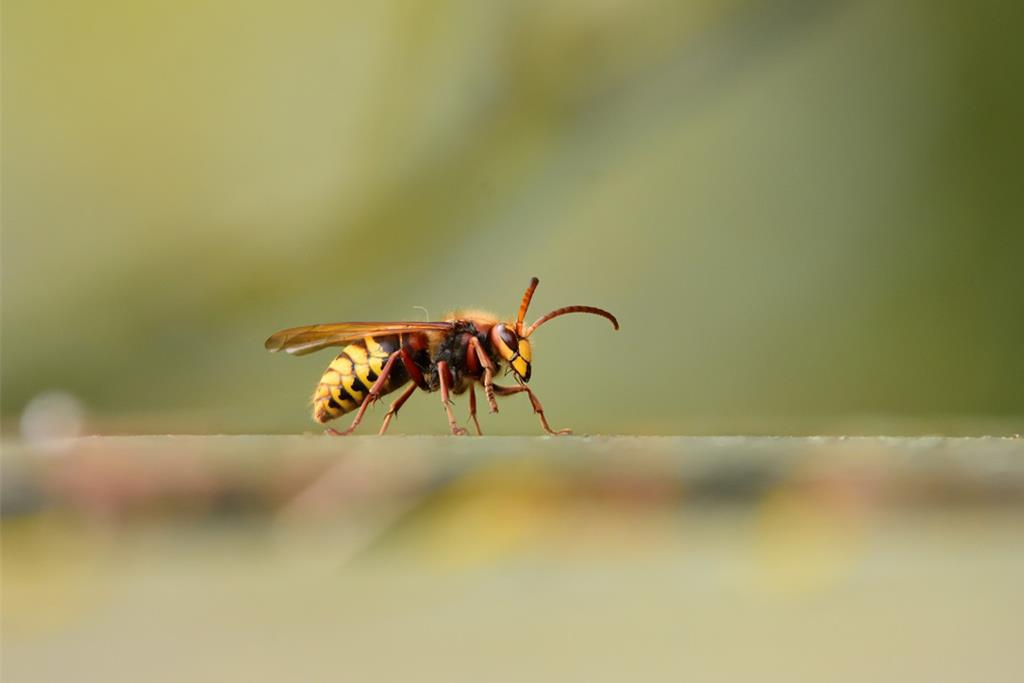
point(349, 377)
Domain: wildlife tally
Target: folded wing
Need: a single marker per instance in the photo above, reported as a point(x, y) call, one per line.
point(298, 341)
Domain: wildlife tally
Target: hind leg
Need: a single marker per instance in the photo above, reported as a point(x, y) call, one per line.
point(394, 408)
point(371, 396)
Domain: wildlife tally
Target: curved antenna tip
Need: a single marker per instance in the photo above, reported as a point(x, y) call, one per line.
point(571, 309)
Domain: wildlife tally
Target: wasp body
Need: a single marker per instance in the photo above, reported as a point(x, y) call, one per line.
point(450, 356)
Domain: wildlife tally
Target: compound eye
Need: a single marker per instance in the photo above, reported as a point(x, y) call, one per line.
point(509, 337)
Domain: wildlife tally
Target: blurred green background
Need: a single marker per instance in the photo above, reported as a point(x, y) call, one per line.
point(807, 215)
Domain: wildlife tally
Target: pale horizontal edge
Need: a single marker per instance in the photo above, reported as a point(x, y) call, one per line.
point(686, 469)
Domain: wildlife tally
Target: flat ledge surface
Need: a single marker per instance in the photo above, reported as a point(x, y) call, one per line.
point(729, 467)
point(268, 558)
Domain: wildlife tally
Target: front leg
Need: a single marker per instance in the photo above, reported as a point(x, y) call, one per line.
point(488, 366)
point(445, 377)
point(537, 407)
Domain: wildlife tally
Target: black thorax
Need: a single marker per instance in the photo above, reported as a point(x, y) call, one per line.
point(454, 349)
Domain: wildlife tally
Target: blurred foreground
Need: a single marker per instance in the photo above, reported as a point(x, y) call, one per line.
point(298, 558)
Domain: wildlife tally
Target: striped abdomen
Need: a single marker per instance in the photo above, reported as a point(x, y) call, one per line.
point(349, 377)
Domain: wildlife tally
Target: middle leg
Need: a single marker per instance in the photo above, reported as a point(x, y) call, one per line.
point(472, 410)
point(445, 377)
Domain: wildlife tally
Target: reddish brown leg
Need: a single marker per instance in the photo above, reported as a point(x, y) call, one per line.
point(472, 410)
point(394, 408)
point(445, 376)
point(488, 366)
point(371, 396)
point(537, 407)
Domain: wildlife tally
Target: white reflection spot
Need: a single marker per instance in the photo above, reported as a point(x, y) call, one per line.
point(50, 417)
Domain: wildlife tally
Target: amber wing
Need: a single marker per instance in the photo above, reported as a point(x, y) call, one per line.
point(298, 341)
